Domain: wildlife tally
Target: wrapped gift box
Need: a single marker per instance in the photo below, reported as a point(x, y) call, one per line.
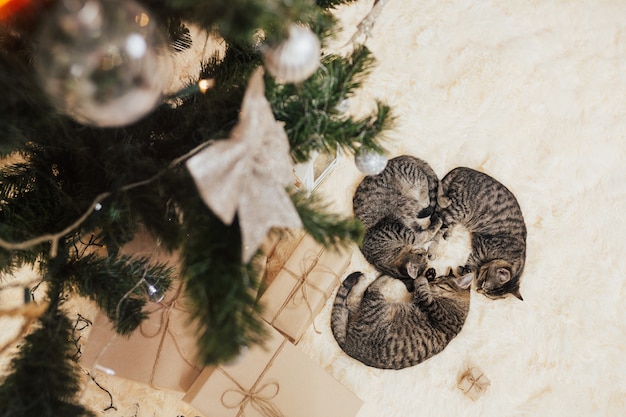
point(272, 380)
point(473, 383)
point(161, 353)
point(277, 250)
point(302, 287)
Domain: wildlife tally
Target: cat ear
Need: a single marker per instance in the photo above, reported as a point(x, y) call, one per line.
point(412, 269)
point(465, 281)
point(503, 275)
point(517, 294)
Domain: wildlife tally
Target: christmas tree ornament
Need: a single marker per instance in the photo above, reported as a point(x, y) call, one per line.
point(102, 62)
point(247, 173)
point(296, 58)
point(369, 162)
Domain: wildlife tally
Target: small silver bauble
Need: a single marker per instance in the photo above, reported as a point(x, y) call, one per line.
point(369, 162)
point(102, 62)
point(296, 58)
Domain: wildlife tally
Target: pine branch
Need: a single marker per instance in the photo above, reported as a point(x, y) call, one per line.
point(24, 107)
point(43, 380)
point(312, 120)
point(180, 37)
point(220, 290)
point(329, 4)
point(236, 20)
point(329, 229)
point(117, 284)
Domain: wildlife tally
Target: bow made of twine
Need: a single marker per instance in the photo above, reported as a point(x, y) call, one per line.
point(259, 398)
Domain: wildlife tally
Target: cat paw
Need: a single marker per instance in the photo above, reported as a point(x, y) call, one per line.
point(436, 222)
point(445, 232)
point(430, 274)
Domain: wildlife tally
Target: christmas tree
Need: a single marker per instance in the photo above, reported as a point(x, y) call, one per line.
point(93, 151)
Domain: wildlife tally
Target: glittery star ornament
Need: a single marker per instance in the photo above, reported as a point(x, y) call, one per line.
point(247, 173)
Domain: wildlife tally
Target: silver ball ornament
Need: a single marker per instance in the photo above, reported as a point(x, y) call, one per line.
point(369, 162)
point(102, 62)
point(296, 58)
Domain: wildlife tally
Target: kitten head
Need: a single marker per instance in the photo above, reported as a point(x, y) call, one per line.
point(498, 278)
point(411, 262)
point(451, 286)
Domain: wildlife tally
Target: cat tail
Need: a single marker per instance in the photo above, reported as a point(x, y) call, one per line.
point(340, 313)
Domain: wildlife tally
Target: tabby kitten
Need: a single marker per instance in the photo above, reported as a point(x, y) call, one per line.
point(395, 207)
point(396, 335)
point(397, 250)
point(492, 215)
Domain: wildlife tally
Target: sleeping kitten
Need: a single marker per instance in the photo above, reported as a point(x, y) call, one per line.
point(395, 207)
point(397, 250)
point(396, 335)
point(494, 219)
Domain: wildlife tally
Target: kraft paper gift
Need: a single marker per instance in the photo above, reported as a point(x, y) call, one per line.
point(473, 383)
point(277, 250)
point(276, 381)
point(302, 287)
point(160, 353)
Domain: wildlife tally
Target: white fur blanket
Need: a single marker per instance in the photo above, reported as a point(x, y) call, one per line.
point(532, 93)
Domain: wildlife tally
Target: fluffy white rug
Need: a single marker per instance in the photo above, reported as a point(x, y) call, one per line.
point(531, 93)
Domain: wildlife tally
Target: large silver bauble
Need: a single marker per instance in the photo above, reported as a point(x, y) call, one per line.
point(296, 58)
point(102, 62)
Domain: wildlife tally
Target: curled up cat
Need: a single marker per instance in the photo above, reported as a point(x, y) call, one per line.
point(397, 208)
point(396, 335)
point(494, 219)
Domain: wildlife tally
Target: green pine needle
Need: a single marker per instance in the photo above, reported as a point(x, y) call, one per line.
point(329, 229)
point(220, 290)
point(118, 285)
point(43, 379)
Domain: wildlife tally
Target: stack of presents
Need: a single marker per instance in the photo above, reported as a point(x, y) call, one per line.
point(272, 379)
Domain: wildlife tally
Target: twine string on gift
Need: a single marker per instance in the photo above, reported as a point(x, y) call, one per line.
point(166, 308)
point(303, 284)
point(260, 398)
point(302, 287)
